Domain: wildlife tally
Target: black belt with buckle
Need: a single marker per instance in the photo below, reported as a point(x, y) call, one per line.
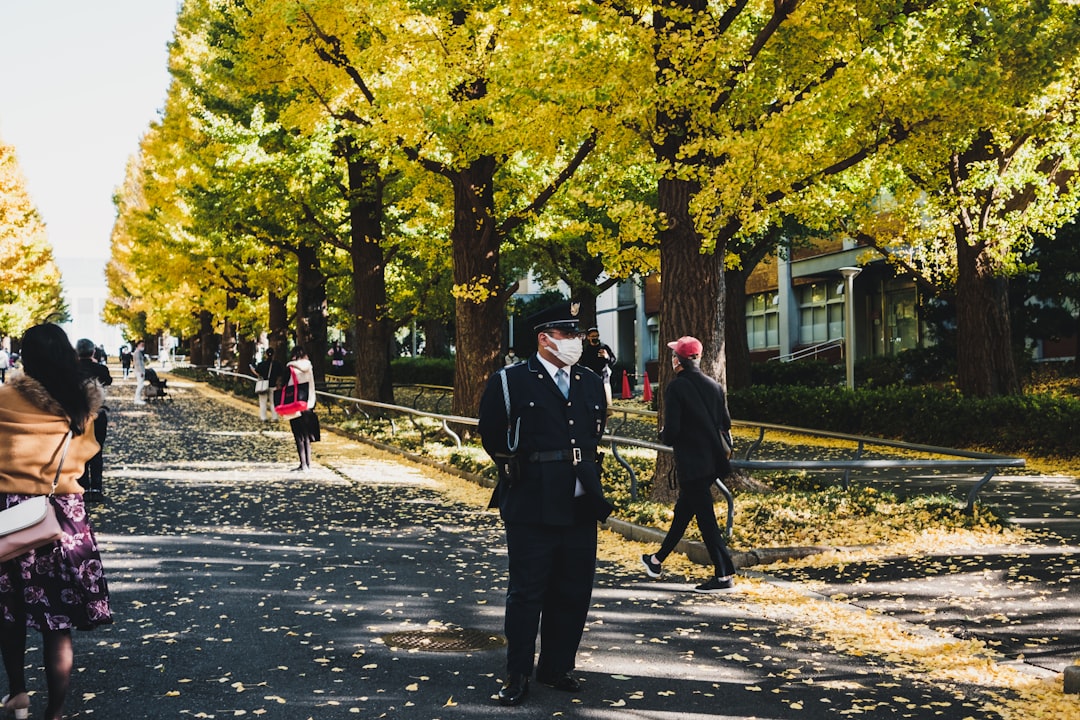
point(575, 455)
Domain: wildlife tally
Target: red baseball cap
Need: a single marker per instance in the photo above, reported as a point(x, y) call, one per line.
point(686, 347)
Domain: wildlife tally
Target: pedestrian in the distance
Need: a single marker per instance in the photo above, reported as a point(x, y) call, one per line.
point(125, 359)
point(138, 359)
point(60, 586)
point(271, 371)
point(697, 426)
point(5, 364)
point(542, 429)
point(93, 371)
point(304, 424)
point(600, 358)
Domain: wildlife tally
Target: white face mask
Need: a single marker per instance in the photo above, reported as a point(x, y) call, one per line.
point(568, 350)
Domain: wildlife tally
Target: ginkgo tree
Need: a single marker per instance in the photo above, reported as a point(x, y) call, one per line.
point(238, 209)
point(968, 197)
point(761, 105)
point(466, 93)
point(31, 291)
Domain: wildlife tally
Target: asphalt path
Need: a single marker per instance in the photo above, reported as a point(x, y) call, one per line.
point(1024, 602)
point(361, 590)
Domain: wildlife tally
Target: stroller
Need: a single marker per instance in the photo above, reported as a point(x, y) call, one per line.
point(156, 387)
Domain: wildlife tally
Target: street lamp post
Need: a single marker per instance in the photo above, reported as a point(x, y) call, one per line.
point(849, 274)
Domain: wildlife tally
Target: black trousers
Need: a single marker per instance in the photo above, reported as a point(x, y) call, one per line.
point(696, 501)
point(95, 466)
point(550, 587)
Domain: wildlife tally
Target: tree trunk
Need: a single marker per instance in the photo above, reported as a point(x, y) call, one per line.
point(206, 344)
point(373, 335)
point(691, 284)
point(278, 323)
point(245, 355)
point(986, 366)
point(738, 347)
point(311, 309)
point(228, 333)
point(436, 339)
point(691, 300)
point(478, 305)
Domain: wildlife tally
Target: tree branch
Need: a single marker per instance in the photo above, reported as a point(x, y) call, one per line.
point(922, 280)
point(518, 218)
point(782, 10)
point(334, 53)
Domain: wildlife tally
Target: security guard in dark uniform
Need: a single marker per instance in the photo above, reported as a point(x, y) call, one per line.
point(544, 441)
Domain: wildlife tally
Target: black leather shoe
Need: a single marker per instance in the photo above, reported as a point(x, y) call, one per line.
point(514, 690)
point(562, 682)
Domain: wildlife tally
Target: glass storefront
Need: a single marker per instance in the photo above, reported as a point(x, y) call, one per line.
point(901, 318)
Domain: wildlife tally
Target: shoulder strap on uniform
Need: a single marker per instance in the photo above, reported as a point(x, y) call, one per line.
point(511, 442)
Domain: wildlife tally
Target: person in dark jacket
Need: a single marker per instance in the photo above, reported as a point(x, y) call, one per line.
point(599, 358)
point(696, 425)
point(274, 373)
point(93, 371)
point(541, 421)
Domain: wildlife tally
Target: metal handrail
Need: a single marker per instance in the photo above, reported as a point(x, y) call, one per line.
point(966, 459)
point(810, 350)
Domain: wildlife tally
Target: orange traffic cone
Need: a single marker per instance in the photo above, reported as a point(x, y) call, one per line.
point(626, 386)
point(646, 390)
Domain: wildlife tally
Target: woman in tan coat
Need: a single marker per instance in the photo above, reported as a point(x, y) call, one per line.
point(59, 586)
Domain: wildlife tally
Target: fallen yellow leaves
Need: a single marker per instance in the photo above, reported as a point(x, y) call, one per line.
point(915, 652)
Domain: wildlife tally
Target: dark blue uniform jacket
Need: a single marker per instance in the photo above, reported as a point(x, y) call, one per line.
point(551, 426)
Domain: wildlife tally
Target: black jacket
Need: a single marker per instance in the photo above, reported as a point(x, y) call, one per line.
point(90, 369)
point(590, 358)
point(695, 413)
point(271, 370)
point(543, 490)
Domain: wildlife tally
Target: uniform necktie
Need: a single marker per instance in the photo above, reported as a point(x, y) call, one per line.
point(563, 381)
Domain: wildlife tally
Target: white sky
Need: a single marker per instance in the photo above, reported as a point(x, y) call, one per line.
point(80, 82)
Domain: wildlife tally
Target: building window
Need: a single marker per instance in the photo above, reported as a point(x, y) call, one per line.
point(821, 312)
point(763, 321)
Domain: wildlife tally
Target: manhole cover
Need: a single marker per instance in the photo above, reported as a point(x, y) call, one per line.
point(446, 640)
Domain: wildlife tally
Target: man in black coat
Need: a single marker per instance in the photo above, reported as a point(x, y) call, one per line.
point(697, 426)
point(544, 441)
point(91, 369)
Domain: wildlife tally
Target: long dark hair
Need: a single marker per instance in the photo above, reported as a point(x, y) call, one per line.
point(47, 356)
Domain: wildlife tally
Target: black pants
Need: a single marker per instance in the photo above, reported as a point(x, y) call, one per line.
point(696, 501)
point(551, 579)
point(95, 466)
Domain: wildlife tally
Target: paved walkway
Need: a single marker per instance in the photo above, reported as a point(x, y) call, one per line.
point(241, 589)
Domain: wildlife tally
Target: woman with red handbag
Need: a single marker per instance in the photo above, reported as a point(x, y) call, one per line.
point(294, 401)
point(59, 586)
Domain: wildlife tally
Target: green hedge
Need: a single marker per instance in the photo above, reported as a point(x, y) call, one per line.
point(1034, 424)
point(423, 371)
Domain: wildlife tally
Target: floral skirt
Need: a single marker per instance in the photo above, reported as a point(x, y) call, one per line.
point(58, 586)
